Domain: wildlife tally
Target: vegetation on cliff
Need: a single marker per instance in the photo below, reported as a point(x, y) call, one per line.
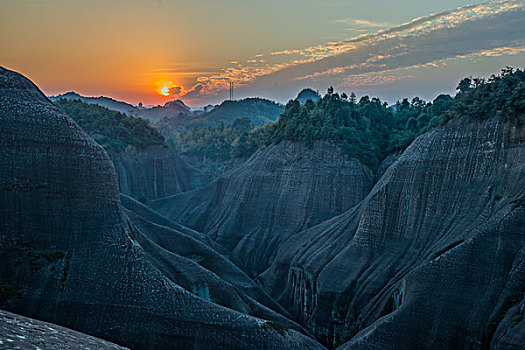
point(111, 129)
point(482, 99)
point(217, 144)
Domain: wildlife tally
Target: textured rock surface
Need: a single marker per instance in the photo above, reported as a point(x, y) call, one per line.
point(280, 190)
point(154, 172)
point(188, 260)
point(434, 257)
point(69, 254)
point(18, 332)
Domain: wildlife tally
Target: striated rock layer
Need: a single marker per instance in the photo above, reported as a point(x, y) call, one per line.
point(154, 172)
point(432, 258)
point(18, 332)
point(69, 254)
point(280, 190)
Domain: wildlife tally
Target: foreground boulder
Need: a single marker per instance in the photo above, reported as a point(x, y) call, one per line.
point(433, 257)
point(280, 190)
point(18, 332)
point(69, 254)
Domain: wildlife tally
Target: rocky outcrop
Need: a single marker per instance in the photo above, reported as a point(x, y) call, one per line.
point(154, 172)
point(18, 332)
point(280, 190)
point(70, 255)
point(432, 258)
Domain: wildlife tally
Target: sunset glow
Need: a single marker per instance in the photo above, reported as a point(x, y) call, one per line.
point(165, 91)
point(352, 48)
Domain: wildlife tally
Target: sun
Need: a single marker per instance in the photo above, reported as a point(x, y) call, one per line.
point(165, 91)
point(168, 88)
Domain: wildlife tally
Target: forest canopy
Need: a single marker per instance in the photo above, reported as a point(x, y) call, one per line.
point(111, 129)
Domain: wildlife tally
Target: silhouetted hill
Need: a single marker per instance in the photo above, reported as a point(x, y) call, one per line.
point(308, 94)
point(102, 101)
point(258, 110)
point(153, 114)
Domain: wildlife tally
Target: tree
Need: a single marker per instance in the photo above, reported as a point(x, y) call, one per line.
point(353, 98)
point(464, 86)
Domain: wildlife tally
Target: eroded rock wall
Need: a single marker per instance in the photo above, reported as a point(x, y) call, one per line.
point(69, 254)
point(432, 258)
point(280, 190)
point(154, 172)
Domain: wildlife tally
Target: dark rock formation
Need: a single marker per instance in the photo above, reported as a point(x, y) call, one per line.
point(433, 258)
point(188, 260)
point(18, 332)
point(69, 254)
point(154, 172)
point(280, 190)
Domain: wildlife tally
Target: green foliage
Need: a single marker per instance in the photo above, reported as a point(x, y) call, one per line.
point(481, 99)
point(257, 110)
point(308, 94)
point(368, 130)
point(217, 144)
point(112, 130)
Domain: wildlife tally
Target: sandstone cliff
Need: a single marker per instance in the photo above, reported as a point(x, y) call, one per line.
point(70, 255)
point(154, 172)
point(433, 257)
point(280, 190)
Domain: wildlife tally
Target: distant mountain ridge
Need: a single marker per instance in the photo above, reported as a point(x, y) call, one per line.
point(153, 114)
point(259, 111)
point(102, 101)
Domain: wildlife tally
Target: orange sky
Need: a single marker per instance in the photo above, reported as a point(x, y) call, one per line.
point(129, 49)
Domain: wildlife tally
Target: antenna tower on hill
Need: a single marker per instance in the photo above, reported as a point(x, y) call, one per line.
point(231, 90)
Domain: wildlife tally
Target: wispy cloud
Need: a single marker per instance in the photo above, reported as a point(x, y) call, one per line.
point(362, 23)
point(490, 29)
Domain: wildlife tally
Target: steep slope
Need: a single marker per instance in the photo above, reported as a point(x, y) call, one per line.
point(18, 332)
point(434, 257)
point(280, 190)
point(189, 261)
point(154, 172)
point(69, 255)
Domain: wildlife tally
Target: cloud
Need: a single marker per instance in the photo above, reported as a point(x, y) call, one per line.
point(175, 90)
point(194, 92)
point(362, 23)
point(385, 56)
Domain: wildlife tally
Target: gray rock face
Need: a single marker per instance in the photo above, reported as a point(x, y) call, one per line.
point(432, 258)
point(280, 190)
point(69, 254)
point(188, 260)
point(18, 332)
point(154, 172)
